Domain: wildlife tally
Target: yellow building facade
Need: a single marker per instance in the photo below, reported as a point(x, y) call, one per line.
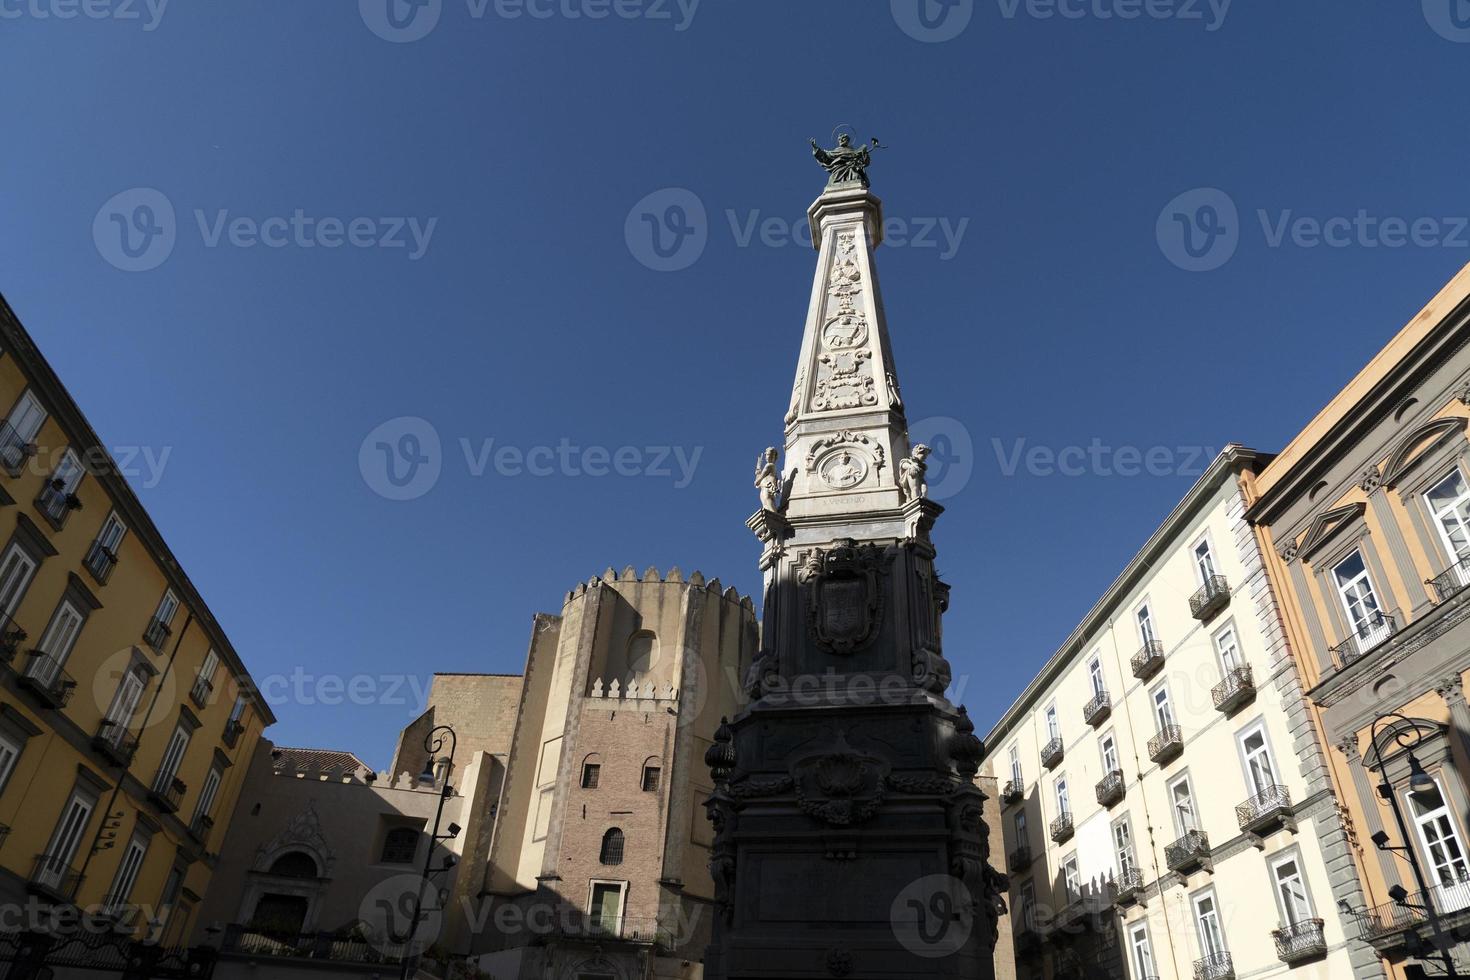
point(1364, 524)
point(126, 717)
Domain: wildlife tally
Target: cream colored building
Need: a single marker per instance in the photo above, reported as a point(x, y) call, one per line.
point(1165, 803)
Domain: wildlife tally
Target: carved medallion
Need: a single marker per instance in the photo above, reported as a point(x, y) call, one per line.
point(842, 786)
point(844, 595)
point(843, 470)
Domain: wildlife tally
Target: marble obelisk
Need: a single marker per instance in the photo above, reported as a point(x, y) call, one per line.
point(849, 840)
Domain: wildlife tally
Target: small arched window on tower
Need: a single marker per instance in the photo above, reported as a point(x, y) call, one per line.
point(400, 845)
point(642, 652)
point(612, 847)
point(591, 771)
point(652, 772)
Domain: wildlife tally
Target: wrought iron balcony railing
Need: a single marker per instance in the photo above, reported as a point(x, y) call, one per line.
point(201, 825)
point(115, 741)
point(1381, 925)
point(100, 561)
point(1238, 688)
point(1051, 753)
point(1300, 941)
point(1096, 711)
point(1019, 859)
point(1012, 792)
point(156, 633)
point(322, 946)
point(54, 877)
point(56, 502)
point(1062, 828)
point(14, 451)
point(1147, 661)
point(46, 680)
point(1188, 852)
point(1216, 966)
point(1365, 638)
point(11, 637)
point(1129, 886)
point(1213, 596)
point(1110, 788)
point(168, 792)
point(1452, 579)
point(201, 690)
point(233, 731)
point(1271, 805)
point(1167, 744)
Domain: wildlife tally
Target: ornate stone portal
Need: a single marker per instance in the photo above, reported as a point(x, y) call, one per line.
point(848, 834)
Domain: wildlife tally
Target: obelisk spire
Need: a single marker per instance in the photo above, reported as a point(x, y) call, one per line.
point(845, 426)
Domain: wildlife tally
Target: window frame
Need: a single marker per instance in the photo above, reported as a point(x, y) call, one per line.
point(1174, 812)
point(125, 878)
point(1274, 863)
point(1456, 470)
point(1204, 541)
point(1257, 726)
point(1207, 894)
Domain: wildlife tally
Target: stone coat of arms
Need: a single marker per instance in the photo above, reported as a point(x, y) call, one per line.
point(844, 594)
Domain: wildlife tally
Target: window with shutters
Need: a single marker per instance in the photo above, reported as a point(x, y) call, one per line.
point(204, 680)
point(203, 818)
point(172, 757)
point(127, 875)
point(400, 845)
point(102, 556)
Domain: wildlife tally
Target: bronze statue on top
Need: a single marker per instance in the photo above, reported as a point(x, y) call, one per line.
point(845, 163)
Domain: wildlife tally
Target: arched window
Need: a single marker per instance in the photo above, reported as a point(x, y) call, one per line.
point(294, 864)
point(400, 845)
point(612, 847)
point(652, 771)
point(591, 771)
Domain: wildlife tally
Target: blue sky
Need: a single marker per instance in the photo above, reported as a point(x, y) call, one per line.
point(367, 227)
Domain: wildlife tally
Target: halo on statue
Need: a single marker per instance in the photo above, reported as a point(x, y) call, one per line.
point(851, 131)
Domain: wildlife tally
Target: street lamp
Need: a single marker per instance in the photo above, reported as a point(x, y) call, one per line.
point(433, 744)
point(1408, 738)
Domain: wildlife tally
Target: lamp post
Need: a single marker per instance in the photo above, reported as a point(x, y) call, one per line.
point(433, 744)
point(1408, 738)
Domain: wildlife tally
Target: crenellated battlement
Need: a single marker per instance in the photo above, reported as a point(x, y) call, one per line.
point(652, 576)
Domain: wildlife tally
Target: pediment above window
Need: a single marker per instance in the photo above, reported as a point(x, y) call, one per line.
point(1419, 444)
point(1326, 526)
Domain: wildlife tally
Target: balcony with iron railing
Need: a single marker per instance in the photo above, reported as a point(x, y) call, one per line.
point(1110, 788)
point(56, 503)
point(1129, 887)
point(115, 742)
point(201, 690)
point(589, 925)
point(1013, 792)
point(200, 826)
point(1211, 597)
point(1216, 966)
point(1266, 808)
point(1166, 745)
point(1147, 661)
point(167, 792)
point(1300, 941)
point(1051, 753)
point(45, 679)
point(323, 947)
point(1096, 711)
point(1188, 853)
point(1452, 580)
point(14, 451)
point(233, 730)
point(53, 877)
point(1384, 926)
point(1019, 859)
point(156, 633)
point(1366, 637)
point(11, 637)
point(1062, 828)
point(1237, 689)
point(100, 561)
